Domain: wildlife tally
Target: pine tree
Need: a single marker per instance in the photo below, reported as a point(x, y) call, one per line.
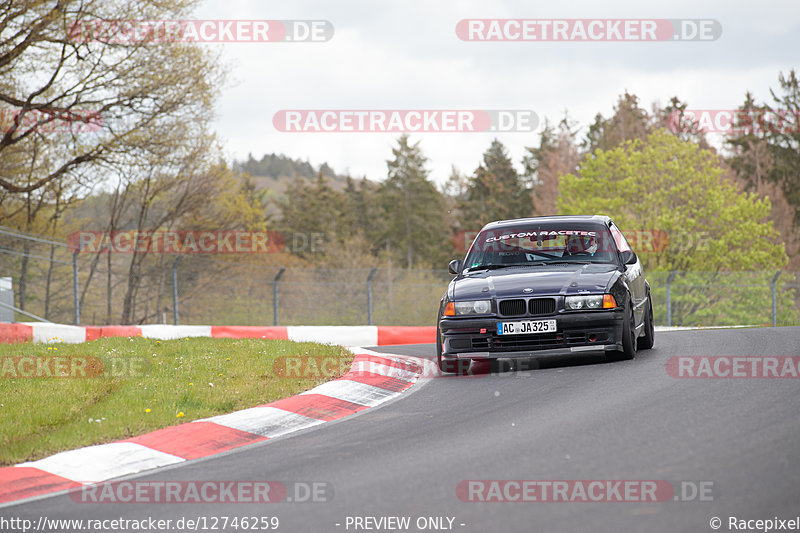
point(414, 216)
point(556, 155)
point(496, 191)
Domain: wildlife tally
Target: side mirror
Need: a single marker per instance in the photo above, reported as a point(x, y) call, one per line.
point(455, 266)
point(628, 257)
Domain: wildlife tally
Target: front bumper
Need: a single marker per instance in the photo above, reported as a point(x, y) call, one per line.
point(576, 332)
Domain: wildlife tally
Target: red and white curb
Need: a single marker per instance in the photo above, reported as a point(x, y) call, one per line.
point(343, 335)
point(373, 378)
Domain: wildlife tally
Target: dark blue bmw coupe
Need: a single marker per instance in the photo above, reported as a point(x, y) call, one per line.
point(545, 286)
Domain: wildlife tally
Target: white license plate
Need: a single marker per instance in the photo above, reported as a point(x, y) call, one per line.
point(526, 327)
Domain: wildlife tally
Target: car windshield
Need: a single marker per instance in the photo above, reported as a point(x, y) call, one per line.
point(539, 245)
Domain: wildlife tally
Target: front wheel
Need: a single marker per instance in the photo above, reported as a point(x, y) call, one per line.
point(628, 337)
point(646, 341)
point(439, 345)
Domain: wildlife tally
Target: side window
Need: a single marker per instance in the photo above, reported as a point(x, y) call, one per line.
point(619, 238)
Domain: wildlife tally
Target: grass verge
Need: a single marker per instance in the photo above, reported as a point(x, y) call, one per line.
point(56, 397)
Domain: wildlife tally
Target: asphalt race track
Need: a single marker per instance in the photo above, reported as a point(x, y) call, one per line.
point(575, 419)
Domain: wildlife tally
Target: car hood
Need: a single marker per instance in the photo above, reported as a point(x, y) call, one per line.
point(543, 280)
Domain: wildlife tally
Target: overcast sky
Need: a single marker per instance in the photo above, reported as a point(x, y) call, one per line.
point(406, 55)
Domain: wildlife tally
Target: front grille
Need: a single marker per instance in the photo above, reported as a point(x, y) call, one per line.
point(512, 307)
point(541, 306)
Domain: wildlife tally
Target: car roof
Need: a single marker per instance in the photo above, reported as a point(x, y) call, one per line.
point(599, 219)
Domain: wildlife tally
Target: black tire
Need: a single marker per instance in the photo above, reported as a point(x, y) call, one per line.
point(446, 364)
point(646, 341)
point(628, 337)
point(439, 346)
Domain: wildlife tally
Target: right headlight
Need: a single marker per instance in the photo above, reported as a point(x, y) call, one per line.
point(474, 307)
point(590, 301)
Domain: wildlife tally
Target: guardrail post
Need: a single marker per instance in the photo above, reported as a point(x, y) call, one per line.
point(175, 290)
point(774, 307)
point(669, 297)
point(275, 296)
point(75, 297)
point(369, 295)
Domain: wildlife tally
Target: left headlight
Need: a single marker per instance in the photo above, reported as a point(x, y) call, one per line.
point(474, 307)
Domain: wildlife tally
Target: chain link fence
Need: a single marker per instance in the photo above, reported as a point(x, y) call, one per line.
point(51, 283)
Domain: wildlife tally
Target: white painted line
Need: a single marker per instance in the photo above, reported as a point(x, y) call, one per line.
point(165, 332)
point(104, 461)
point(341, 335)
point(353, 391)
point(265, 421)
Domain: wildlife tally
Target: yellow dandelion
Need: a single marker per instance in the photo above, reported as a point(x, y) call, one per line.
point(147, 410)
point(179, 415)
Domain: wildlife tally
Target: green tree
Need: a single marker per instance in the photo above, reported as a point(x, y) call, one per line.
point(58, 80)
point(556, 155)
point(361, 213)
point(753, 150)
point(784, 139)
point(667, 184)
point(674, 119)
point(628, 122)
point(714, 229)
point(416, 224)
point(311, 208)
point(495, 191)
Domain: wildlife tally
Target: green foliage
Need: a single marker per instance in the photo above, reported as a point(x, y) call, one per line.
point(628, 122)
point(278, 166)
point(713, 229)
point(723, 298)
point(495, 191)
point(784, 140)
point(670, 185)
point(414, 214)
